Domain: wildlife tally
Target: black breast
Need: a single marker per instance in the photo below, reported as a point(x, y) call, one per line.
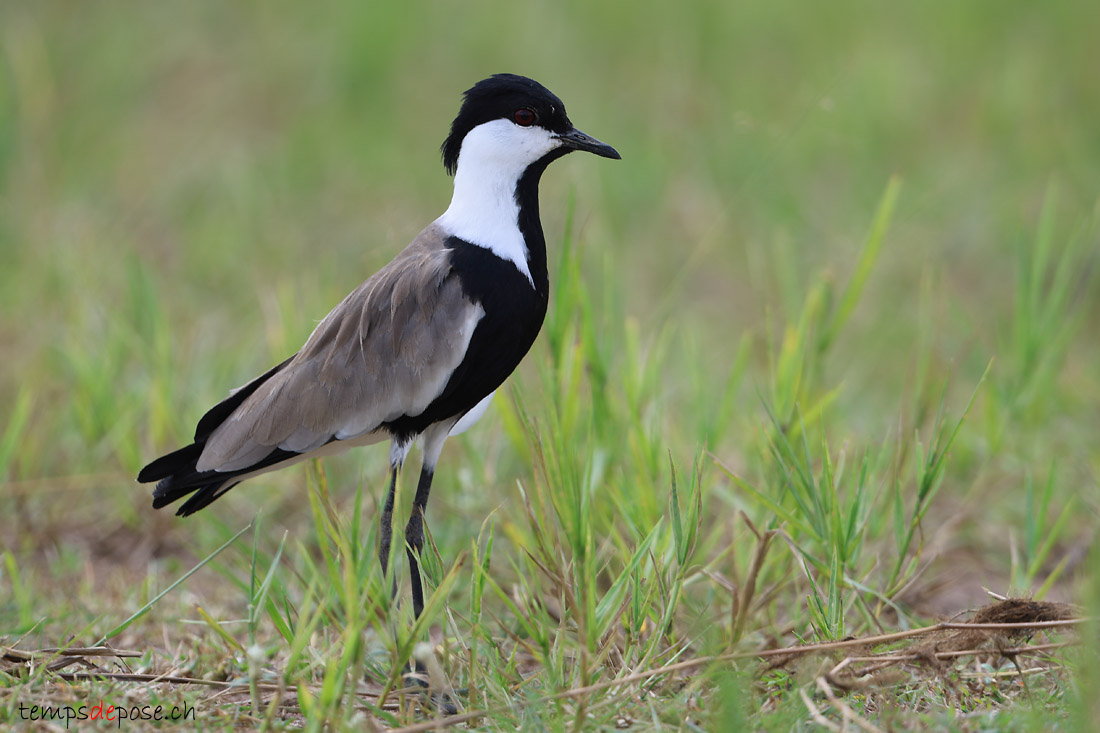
point(514, 312)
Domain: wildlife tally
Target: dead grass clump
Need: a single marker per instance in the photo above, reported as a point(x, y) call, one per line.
point(999, 633)
point(1002, 623)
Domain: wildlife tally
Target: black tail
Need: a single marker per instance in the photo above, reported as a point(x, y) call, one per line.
point(175, 473)
point(176, 477)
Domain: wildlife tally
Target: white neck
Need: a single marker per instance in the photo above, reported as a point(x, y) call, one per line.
point(483, 209)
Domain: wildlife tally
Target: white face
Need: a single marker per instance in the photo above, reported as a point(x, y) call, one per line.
point(484, 210)
point(505, 146)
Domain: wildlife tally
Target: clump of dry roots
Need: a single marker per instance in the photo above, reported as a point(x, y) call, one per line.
point(1003, 634)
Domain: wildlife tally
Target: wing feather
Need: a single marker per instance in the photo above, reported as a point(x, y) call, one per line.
point(385, 351)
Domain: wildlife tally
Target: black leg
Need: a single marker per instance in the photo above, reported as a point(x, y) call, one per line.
point(385, 535)
point(414, 538)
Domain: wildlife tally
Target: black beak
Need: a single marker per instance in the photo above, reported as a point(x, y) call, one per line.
point(577, 140)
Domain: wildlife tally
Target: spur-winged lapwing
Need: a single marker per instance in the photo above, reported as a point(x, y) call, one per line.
point(418, 349)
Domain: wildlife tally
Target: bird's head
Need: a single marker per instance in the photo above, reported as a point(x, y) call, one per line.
point(512, 121)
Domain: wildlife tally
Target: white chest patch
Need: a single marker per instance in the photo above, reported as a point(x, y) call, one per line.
point(484, 210)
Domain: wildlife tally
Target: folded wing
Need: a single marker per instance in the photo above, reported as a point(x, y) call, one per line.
point(385, 352)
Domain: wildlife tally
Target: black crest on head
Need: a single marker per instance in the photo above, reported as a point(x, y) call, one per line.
point(498, 97)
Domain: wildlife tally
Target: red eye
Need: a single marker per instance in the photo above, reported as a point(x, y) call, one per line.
point(524, 117)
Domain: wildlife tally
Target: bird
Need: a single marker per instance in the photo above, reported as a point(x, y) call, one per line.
point(418, 350)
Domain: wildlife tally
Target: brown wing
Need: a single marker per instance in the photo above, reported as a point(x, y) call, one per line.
point(387, 350)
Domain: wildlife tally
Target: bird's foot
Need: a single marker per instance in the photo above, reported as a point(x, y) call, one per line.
point(441, 700)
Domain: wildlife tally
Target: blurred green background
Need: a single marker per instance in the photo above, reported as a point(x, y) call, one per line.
point(253, 161)
point(187, 188)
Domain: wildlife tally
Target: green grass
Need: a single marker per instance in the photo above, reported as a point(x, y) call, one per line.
point(821, 358)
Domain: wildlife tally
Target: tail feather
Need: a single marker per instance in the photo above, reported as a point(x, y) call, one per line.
point(203, 496)
point(178, 477)
point(169, 464)
point(176, 473)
